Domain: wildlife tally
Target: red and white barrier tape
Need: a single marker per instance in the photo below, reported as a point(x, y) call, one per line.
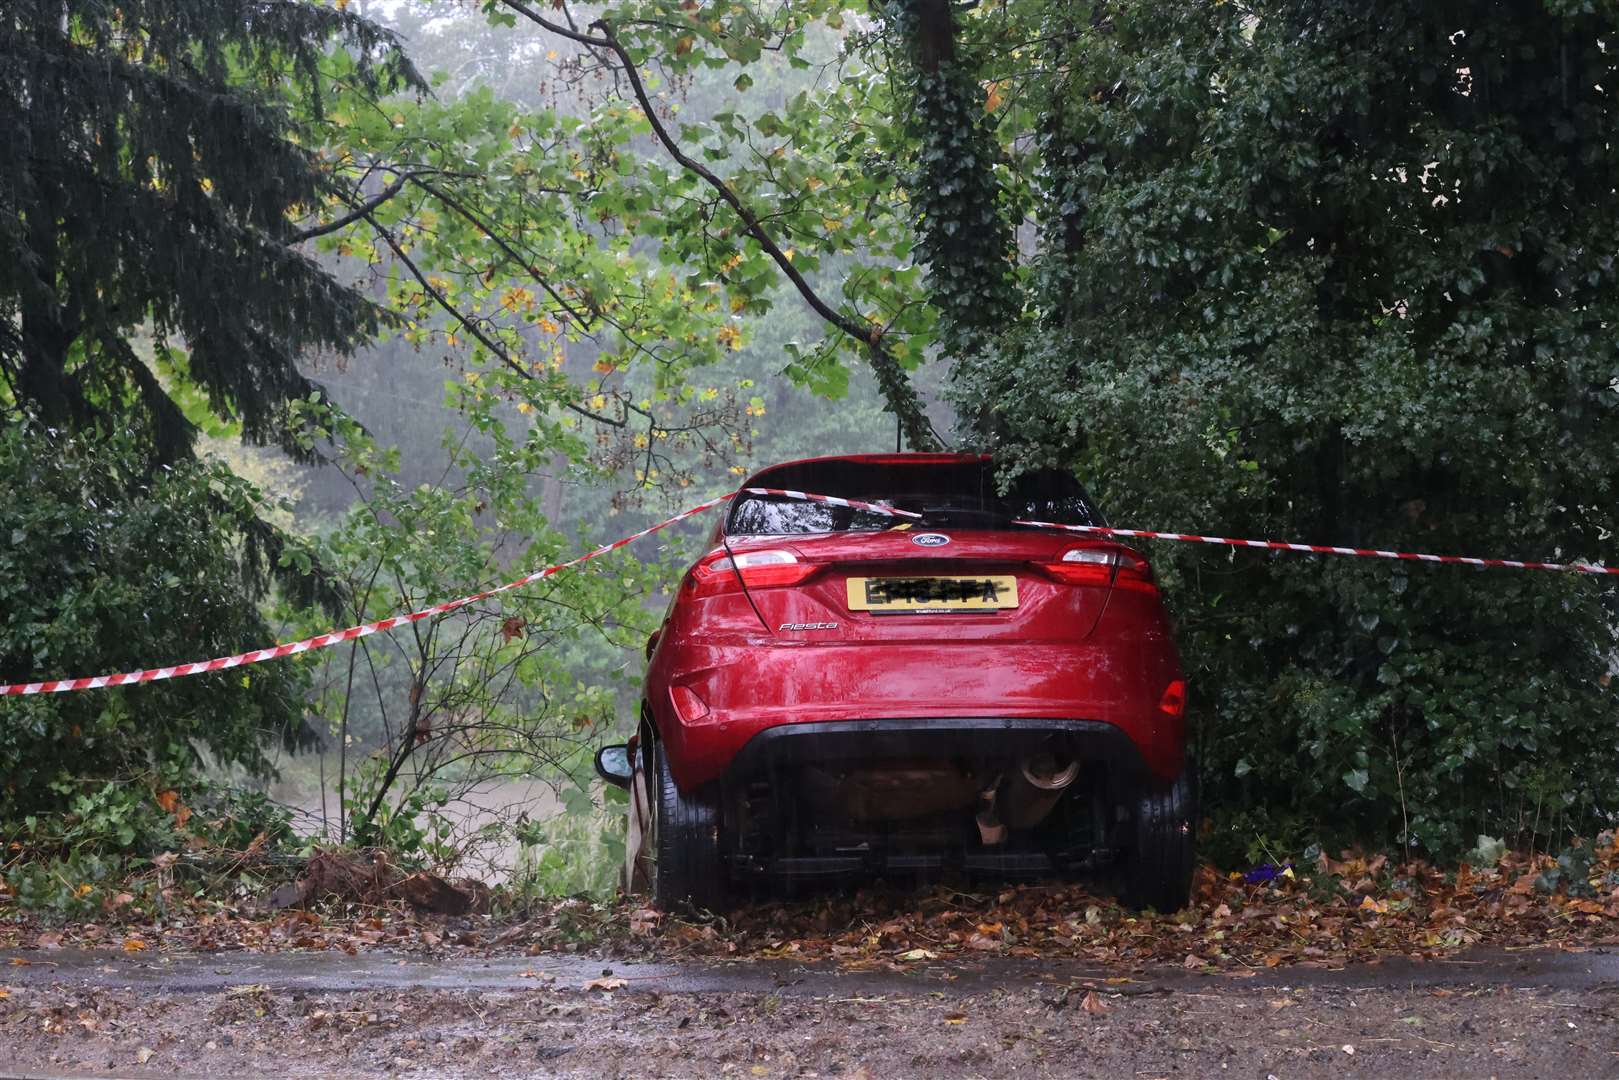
point(833, 500)
point(321, 641)
point(1318, 549)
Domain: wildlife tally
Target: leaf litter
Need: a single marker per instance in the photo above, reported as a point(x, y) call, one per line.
point(1337, 911)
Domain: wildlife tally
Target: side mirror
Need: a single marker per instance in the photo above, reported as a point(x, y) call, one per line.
point(652, 641)
point(613, 765)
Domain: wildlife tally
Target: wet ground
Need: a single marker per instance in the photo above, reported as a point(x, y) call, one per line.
point(1533, 1013)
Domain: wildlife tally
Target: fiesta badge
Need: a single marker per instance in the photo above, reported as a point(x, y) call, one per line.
point(930, 539)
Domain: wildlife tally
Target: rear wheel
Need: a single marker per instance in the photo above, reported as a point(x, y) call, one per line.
point(683, 866)
point(1162, 833)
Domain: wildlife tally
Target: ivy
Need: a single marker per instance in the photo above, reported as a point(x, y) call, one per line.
point(963, 235)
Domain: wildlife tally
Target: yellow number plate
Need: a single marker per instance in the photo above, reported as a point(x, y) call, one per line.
point(898, 595)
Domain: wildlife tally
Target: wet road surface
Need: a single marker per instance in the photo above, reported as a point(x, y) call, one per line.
point(73, 1013)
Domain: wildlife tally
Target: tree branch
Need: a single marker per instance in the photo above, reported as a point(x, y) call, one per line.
point(533, 272)
point(891, 378)
point(476, 331)
point(361, 211)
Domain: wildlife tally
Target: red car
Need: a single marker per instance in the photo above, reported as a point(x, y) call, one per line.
point(916, 683)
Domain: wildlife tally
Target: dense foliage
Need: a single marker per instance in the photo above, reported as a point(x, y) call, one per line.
point(156, 156)
point(1334, 272)
point(104, 568)
point(1343, 273)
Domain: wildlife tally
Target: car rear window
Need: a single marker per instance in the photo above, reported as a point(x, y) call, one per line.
point(959, 494)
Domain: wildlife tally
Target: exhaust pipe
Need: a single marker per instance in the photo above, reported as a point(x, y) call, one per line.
point(1031, 792)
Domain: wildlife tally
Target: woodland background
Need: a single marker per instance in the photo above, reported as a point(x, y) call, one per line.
point(312, 313)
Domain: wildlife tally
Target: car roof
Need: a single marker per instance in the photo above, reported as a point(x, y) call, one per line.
point(903, 458)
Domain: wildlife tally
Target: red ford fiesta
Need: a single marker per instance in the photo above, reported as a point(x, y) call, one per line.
point(907, 680)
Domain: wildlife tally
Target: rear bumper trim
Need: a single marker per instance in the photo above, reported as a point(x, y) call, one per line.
point(979, 739)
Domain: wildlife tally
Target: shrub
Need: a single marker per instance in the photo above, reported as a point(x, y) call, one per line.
point(105, 567)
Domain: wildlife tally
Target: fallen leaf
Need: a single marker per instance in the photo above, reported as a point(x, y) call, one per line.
point(145, 1054)
point(608, 984)
point(1193, 961)
point(911, 956)
point(134, 944)
point(1348, 1049)
point(955, 1018)
point(1092, 1004)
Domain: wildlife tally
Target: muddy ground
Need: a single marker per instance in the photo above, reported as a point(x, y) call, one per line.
point(100, 1013)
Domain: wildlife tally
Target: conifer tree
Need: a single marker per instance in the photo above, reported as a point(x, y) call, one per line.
point(157, 160)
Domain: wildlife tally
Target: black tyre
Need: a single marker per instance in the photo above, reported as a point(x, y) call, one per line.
point(687, 873)
point(1162, 836)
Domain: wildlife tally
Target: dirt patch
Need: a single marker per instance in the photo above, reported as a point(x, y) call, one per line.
point(373, 881)
point(616, 1030)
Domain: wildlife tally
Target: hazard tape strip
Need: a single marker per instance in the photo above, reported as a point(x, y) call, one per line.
point(833, 500)
point(1318, 549)
point(321, 641)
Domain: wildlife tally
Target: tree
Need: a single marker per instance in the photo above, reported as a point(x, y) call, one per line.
point(106, 565)
point(157, 165)
point(1342, 273)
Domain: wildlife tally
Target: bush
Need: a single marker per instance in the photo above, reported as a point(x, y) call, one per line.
point(107, 568)
point(1305, 280)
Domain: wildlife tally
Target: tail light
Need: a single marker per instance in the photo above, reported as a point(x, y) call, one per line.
point(1173, 703)
point(770, 569)
point(1099, 566)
